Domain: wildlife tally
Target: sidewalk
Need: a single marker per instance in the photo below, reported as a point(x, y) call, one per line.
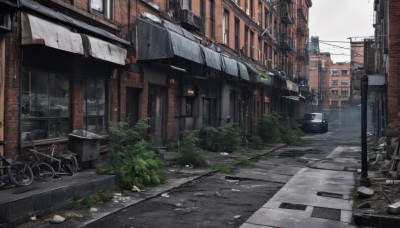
point(314, 197)
point(174, 179)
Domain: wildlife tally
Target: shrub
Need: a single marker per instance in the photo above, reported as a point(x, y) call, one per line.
point(225, 138)
point(189, 152)
point(255, 142)
point(131, 158)
point(269, 128)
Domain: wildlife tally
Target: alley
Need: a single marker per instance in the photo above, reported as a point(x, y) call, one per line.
point(228, 200)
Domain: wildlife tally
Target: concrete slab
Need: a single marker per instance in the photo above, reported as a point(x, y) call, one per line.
point(260, 174)
point(291, 218)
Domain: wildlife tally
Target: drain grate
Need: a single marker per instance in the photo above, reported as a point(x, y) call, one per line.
point(292, 206)
point(330, 194)
point(326, 213)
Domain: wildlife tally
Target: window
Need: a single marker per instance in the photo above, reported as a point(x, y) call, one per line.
point(209, 112)
point(251, 9)
point(246, 6)
point(189, 106)
point(344, 92)
point(334, 103)
point(225, 27)
point(259, 49)
point(335, 72)
point(212, 19)
point(335, 92)
point(265, 62)
point(103, 7)
point(203, 16)
point(314, 63)
point(266, 16)
point(246, 39)
point(335, 82)
point(187, 4)
point(252, 44)
point(276, 27)
point(344, 82)
point(344, 72)
point(45, 109)
point(237, 29)
point(94, 105)
point(345, 103)
point(259, 13)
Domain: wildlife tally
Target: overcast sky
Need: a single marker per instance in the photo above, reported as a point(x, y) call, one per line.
point(336, 20)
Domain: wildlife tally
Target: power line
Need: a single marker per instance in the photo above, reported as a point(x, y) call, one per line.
point(334, 41)
point(336, 46)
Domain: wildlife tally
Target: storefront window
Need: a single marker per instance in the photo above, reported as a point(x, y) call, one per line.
point(209, 112)
point(45, 111)
point(94, 105)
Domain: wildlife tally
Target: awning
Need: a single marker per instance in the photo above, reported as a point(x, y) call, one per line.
point(157, 42)
point(229, 66)
point(292, 86)
point(376, 80)
point(33, 5)
point(185, 48)
point(39, 31)
point(294, 98)
point(243, 71)
point(100, 49)
point(212, 58)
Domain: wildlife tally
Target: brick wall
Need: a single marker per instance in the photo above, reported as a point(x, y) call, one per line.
point(393, 101)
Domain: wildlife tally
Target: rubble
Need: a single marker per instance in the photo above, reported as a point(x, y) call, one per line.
point(365, 192)
point(57, 219)
point(394, 208)
point(93, 210)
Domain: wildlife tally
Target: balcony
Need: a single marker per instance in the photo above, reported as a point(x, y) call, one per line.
point(189, 20)
point(302, 54)
point(284, 14)
point(302, 30)
point(301, 15)
point(286, 42)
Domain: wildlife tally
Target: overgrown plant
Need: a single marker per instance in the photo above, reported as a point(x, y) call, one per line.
point(273, 130)
point(225, 138)
point(255, 142)
point(189, 152)
point(131, 158)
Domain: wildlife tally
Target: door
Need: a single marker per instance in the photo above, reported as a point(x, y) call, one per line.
point(157, 111)
point(132, 105)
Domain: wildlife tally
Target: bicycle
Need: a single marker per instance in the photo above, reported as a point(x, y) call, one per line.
point(41, 170)
point(17, 173)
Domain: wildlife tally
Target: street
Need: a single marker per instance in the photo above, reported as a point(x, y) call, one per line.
point(228, 200)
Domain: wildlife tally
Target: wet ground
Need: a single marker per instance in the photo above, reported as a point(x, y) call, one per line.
point(227, 200)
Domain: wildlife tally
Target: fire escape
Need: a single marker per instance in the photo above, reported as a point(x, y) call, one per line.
point(285, 37)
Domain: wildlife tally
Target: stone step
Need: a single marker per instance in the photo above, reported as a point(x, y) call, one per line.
point(18, 204)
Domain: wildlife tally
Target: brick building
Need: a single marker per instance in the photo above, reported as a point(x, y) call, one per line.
point(184, 64)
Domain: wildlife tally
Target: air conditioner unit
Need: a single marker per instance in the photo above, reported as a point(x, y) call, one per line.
point(5, 21)
point(189, 20)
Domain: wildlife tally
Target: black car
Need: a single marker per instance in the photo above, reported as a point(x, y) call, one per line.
point(315, 122)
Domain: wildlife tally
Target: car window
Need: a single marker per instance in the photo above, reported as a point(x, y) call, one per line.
point(309, 116)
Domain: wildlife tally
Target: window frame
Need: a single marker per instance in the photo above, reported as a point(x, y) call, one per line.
point(237, 34)
point(225, 26)
point(98, 116)
point(212, 19)
point(108, 8)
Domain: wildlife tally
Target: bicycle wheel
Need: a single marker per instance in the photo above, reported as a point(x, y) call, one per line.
point(20, 174)
point(43, 171)
point(74, 164)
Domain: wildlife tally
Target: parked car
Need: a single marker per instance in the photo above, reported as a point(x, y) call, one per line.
point(315, 122)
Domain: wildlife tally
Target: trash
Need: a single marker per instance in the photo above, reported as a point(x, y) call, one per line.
point(218, 194)
point(380, 157)
point(224, 153)
point(131, 218)
point(392, 181)
point(394, 208)
point(57, 219)
point(135, 189)
point(237, 216)
point(116, 201)
point(232, 181)
point(189, 166)
point(178, 205)
point(93, 210)
point(235, 190)
point(165, 195)
point(364, 205)
point(365, 192)
point(72, 214)
point(117, 194)
point(33, 218)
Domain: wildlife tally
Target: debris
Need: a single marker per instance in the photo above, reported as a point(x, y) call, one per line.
point(237, 216)
point(57, 219)
point(232, 181)
point(394, 208)
point(93, 210)
point(135, 189)
point(117, 194)
point(165, 195)
point(380, 157)
point(179, 205)
point(235, 190)
point(33, 218)
point(392, 181)
point(218, 194)
point(224, 153)
point(365, 192)
point(364, 205)
point(72, 214)
point(199, 194)
point(116, 201)
point(131, 218)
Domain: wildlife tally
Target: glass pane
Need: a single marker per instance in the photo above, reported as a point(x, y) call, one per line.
point(100, 94)
point(34, 129)
point(58, 128)
point(91, 109)
point(39, 104)
point(59, 95)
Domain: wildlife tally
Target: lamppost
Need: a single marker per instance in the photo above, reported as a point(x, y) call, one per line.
point(364, 160)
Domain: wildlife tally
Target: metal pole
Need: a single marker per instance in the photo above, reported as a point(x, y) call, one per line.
point(364, 161)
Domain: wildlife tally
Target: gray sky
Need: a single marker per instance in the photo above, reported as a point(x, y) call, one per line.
point(336, 20)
